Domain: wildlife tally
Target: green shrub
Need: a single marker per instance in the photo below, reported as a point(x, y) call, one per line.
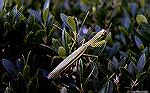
point(36, 36)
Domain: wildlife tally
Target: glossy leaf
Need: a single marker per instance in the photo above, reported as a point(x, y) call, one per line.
point(45, 15)
point(141, 19)
point(126, 22)
point(81, 70)
point(62, 51)
point(123, 39)
point(56, 43)
point(134, 7)
point(64, 19)
point(65, 41)
point(72, 23)
point(142, 3)
point(109, 87)
point(115, 63)
point(101, 46)
point(144, 31)
point(109, 38)
point(97, 28)
point(1, 5)
point(19, 64)
point(123, 30)
point(132, 68)
point(9, 67)
point(97, 44)
point(141, 63)
point(46, 5)
point(18, 2)
point(139, 43)
point(36, 14)
point(114, 49)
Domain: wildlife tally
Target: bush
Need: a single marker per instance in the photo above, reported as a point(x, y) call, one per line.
point(37, 36)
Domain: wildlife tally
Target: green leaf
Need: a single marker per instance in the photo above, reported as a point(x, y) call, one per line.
point(26, 73)
point(64, 19)
point(123, 30)
point(46, 5)
point(41, 36)
point(8, 90)
point(105, 70)
point(139, 43)
point(61, 51)
point(144, 31)
point(49, 24)
point(31, 22)
point(87, 79)
point(18, 2)
point(142, 3)
point(1, 5)
point(27, 2)
point(81, 70)
point(72, 23)
point(101, 46)
point(65, 41)
point(126, 75)
point(132, 68)
point(141, 18)
point(115, 63)
point(98, 44)
point(9, 67)
point(56, 43)
point(37, 15)
point(114, 49)
point(45, 14)
point(141, 63)
point(109, 38)
point(29, 37)
point(140, 78)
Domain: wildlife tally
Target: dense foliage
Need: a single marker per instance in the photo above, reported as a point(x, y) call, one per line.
point(37, 35)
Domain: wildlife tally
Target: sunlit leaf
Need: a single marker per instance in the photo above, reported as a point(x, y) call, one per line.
point(65, 40)
point(62, 51)
point(141, 19)
point(46, 5)
point(72, 23)
point(109, 38)
point(101, 46)
point(18, 2)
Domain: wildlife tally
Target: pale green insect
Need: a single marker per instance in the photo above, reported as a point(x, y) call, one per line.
point(68, 61)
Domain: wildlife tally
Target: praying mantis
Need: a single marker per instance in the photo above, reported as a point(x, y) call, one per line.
point(68, 61)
